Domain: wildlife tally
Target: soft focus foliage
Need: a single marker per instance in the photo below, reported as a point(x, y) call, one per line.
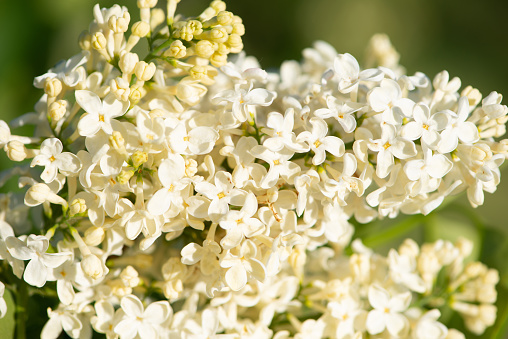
point(171, 187)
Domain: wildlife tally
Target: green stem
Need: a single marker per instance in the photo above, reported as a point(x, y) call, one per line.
point(499, 331)
point(159, 48)
point(21, 308)
point(393, 232)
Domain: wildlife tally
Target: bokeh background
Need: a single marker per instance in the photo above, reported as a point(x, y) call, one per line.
point(468, 38)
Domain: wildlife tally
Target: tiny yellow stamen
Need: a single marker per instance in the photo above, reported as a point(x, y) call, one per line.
point(185, 138)
point(276, 162)
point(101, 117)
point(221, 195)
point(317, 143)
point(387, 145)
point(52, 158)
point(425, 126)
point(171, 188)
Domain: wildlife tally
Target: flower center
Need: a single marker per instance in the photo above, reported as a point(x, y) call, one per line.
point(386, 145)
point(221, 195)
point(317, 143)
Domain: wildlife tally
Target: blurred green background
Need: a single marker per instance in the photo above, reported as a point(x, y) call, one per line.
point(466, 37)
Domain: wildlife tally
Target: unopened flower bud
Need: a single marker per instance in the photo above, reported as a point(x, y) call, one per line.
point(204, 49)
point(94, 235)
point(52, 87)
point(198, 72)
point(139, 158)
point(487, 294)
point(235, 43)
point(137, 92)
point(130, 276)
point(128, 62)
point(238, 28)
point(77, 206)
point(157, 17)
point(224, 18)
point(99, 41)
point(218, 59)
point(195, 26)
point(147, 3)
point(144, 71)
point(85, 40)
point(473, 95)
point(38, 192)
point(140, 29)
point(92, 266)
point(124, 177)
point(219, 34)
point(218, 5)
point(491, 277)
point(16, 150)
point(119, 25)
point(191, 167)
point(474, 269)
point(176, 50)
point(465, 246)
point(410, 248)
point(57, 110)
point(223, 49)
point(120, 88)
point(185, 33)
point(117, 141)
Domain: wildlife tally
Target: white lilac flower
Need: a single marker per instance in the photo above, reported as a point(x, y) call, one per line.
point(387, 99)
point(171, 174)
point(390, 145)
point(426, 170)
point(34, 249)
point(241, 99)
point(425, 126)
point(348, 72)
point(279, 165)
point(458, 129)
point(387, 311)
point(52, 157)
point(61, 319)
point(199, 140)
point(280, 130)
point(105, 319)
point(341, 111)
point(428, 326)
point(99, 113)
point(138, 321)
point(241, 224)
point(319, 141)
point(242, 265)
point(221, 194)
point(66, 71)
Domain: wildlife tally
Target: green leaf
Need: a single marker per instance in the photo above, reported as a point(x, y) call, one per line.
point(8, 322)
point(451, 227)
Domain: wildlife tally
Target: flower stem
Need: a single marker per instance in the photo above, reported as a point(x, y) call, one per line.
point(393, 232)
point(21, 308)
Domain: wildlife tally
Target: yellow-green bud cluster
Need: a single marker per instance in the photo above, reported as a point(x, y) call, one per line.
point(213, 35)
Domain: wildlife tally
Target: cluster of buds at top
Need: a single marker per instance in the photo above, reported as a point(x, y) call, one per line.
point(212, 36)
